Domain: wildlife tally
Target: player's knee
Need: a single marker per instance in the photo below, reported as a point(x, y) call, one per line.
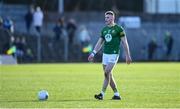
point(110, 75)
point(106, 75)
point(108, 71)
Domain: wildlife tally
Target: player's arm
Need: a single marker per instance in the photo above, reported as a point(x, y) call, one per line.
point(126, 48)
point(96, 49)
point(98, 45)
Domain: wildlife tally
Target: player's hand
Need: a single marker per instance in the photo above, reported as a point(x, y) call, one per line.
point(128, 59)
point(91, 57)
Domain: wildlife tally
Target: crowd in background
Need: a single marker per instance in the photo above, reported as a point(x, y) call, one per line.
point(65, 28)
point(17, 45)
point(153, 46)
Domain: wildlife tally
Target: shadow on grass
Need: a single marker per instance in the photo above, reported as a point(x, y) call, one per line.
point(66, 100)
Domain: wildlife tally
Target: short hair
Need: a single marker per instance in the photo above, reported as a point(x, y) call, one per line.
point(109, 13)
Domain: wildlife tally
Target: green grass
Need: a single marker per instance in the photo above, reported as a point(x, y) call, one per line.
point(142, 85)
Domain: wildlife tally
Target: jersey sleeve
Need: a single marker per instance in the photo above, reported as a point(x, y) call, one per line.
point(121, 31)
point(101, 35)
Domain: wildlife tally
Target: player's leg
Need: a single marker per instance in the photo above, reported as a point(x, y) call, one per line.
point(105, 83)
point(107, 71)
point(102, 93)
point(109, 61)
point(114, 59)
point(113, 83)
point(114, 88)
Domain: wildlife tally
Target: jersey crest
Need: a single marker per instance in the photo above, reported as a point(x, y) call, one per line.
point(108, 37)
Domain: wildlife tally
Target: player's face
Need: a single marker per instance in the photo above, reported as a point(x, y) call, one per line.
point(109, 19)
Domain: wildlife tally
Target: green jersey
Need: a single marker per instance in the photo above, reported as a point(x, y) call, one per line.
point(112, 38)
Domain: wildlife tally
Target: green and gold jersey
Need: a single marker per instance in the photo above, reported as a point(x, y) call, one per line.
point(112, 38)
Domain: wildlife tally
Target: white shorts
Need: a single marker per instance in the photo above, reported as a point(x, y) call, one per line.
point(109, 58)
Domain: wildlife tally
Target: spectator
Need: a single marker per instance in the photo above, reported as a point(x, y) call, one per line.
point(84, 39)
point(152, 46)
point(28, 55)
point(12, 41)
point(29, 19)
point(8, 24)
point(71, 29)
point(168, 40)
point(58, 29)
point(19, 47)
point(84, 36)
point(23, 44)
point(11, 48)
point(38, 19)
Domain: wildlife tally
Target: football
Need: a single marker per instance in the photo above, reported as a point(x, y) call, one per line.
point(43, 95)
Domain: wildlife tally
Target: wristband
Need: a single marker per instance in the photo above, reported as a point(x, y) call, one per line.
point(94, 52)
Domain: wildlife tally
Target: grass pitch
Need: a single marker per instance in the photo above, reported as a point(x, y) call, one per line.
point(141, 85)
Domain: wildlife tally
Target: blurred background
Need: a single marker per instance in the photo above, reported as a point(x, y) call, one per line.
point(33, 31)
